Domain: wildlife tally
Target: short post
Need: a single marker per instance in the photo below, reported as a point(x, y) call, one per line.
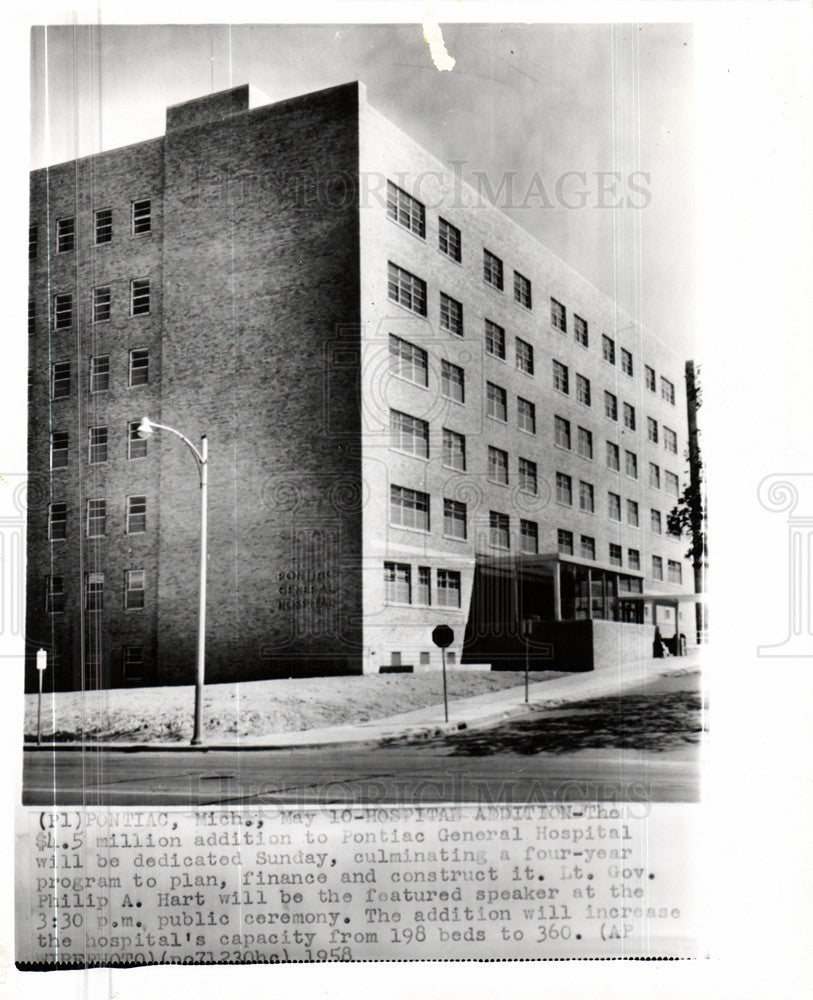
point(443, 636)
point(42, 662)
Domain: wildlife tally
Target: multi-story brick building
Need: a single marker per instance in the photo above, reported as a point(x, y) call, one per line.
point(416, 413)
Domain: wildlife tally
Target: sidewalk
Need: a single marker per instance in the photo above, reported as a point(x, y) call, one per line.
point(477, 712)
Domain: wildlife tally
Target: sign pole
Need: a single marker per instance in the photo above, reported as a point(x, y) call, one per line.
point(525, 637)
point(445, 700)
point(42, 658)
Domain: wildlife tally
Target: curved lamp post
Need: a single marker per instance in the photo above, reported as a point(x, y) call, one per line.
point(145, 430)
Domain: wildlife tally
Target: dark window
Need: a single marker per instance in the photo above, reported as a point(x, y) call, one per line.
point(139, 367)
point(629, 416)
point(406, 289)
point(614, 506)
point(100, 373)
point(136, 446)
point(96, 518)
point(608, 349)
point(32, 242)
point(61, 379)
point(626, 362)
point(528, 476)
point(522, 290)
point(54, 594)
point(615, 555)
point(97, 445)
point(424, 592)
point(140, 297)
point(448, 588)
point(454, 519)
point(452, 381)
point(59, 449)
point(610, 406)
point(564, 489)
point(58, 522)
point(492, 269)
point(561, 380)
point(406, 210)
point(667, 390)
point(103, 226)
point(408, 361)
point(583, 390)
point(561, 432)
point(94, 591)
point(142, 217)
point(650, 378)
point(409, 434)
point(564, 541)
point(136, 515)
point(409, 508)
point(528, 537)
point(32, 317)
point(101, 304)
point(451, 315)
point(134, 589)
point(526, 415)
point(558, 316)
point(499, 530)
point(133, 663)
point(63, 311)
point(588, 547)
point(454, 450)
point(449, 239)
point(498, 466)
point(524, 356)
point(496, 402)
point(495, 340)
point(580, 331)
point(65, 233)
point(398, 582)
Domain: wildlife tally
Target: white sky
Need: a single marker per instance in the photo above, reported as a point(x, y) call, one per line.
point(534, 99)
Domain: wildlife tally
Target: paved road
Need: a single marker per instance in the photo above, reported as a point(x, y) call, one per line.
point(633, 748)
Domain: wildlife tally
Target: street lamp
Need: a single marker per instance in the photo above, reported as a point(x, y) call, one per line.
point(145, 429)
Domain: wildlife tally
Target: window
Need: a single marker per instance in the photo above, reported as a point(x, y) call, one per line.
point(613, 457)
point(561, 432)
point(526, 415)
point(587, 497)
point(657, 568)
point(59, 449)
point(32, 242)
point(32, 317)
point(103, 226)
point(136, 515)
point(610, 406)
point(675, 571)
point(454, 450)
point(140, 297)
point(655, 521)
point(136, 446)
point(584, 443)
point(496, 402)
point(409, 434)
point(30, 385)
point(408, 361)
point(454, 519)
point(671, 483)
point(527, 476)
point(525, 356)
point(652, 430)
point(583, 390)
point(452, 381)
point(54, 594)
point(451, 315)
point(667, 390)
point(409, 508)
point(632, 513)
point(670, 440)
point(100, 373)
point(654, 476)
point(97, 445)
point(580, 331)
point(649, 374)
point(528, 537)
point(631, 464)
point(406, 289)
point(141, 217)
point(424, 591)
point(65, 233)
point(608, 349)
point(564, 542)
point(495, 340)
point(406, 210)
point(558, 316)
point(58, 522)
point(492, 269)
point(449, 239)
point(634, 559)
point(96, 518)
point(134, 586)
point(499, 535)
point(133, 663)
point(498, 466)
point(139, 367)
point(614, 506)
point(522, 290)
point(615, 555)
point(448, 588)
point(63, 311)
point(626, 362)
point(629, 416)
point(60, 380)
point(561, 379)
point(398, 583)
point(101, 304)
point(564, 489)
point(587, 547)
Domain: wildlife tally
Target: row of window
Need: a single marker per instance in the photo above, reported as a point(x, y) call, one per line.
point(65, 232)
point(135, 518)
point(99, 380)
point(410, 290)
point(98, 438)
point(411, 435)
point(101, 299)
point(587, 550)
point(135, 589)
point(398, 586)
